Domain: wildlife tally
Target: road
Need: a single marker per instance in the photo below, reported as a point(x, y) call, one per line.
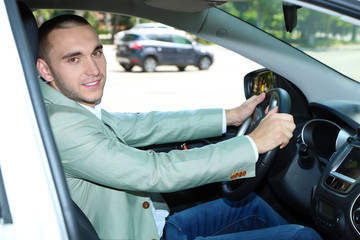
point(168, 89)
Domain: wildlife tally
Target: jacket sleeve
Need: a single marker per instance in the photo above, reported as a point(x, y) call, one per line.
point(144, 129)
point(89, 152)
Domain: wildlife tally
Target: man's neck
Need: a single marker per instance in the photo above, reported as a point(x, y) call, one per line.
point(96, 110)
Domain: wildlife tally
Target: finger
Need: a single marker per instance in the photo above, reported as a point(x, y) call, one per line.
point(287, 126)
point(260, 97)
point(255, 100)
point(286, 116)
point(267, 110)
point(286, 120)
point(288, 134)
point(283, 145)
point(285, 139)
point(273, 111)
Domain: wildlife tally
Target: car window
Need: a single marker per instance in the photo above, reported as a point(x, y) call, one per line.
point(160, 37)
point(151, 36)
point(178, 39)
point(130, 37)
point(182, 89)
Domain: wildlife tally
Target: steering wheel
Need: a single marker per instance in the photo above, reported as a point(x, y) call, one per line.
point(274, 97)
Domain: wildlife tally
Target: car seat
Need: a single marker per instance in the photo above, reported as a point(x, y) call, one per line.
point(31, 28)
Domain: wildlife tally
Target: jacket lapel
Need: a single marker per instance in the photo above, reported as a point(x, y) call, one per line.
point(55, 97)
point(113, 127)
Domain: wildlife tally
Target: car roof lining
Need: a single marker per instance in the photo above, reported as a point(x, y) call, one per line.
point(172, 5)
point(188, 5)
point(184, 5)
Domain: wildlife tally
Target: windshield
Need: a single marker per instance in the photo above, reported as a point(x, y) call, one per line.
point(324, 37)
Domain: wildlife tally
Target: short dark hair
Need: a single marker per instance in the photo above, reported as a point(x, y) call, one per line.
point(59, 22)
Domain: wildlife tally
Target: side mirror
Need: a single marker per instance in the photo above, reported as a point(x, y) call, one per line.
point(259, 81)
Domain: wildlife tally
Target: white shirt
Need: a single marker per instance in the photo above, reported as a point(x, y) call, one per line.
point(160, 214)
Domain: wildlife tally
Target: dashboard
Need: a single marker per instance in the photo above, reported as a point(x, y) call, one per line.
point(317, 175)
point(335, 204)
point(322, 177)
point(335, 199)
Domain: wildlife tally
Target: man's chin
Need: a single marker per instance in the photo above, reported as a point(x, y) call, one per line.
point(94, 101)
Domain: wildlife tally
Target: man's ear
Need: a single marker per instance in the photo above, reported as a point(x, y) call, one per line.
point(44, 70)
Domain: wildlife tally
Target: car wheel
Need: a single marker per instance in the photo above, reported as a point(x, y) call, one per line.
point(181, 68)
point(127, 67)
point(204, 63)
point(149, 64)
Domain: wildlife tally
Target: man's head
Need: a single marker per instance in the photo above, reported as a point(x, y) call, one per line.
point(71, 59)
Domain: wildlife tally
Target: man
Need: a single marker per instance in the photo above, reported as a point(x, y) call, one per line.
point(117, 185)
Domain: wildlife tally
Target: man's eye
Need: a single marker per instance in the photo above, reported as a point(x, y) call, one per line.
point(73, 60)
point(97, 53)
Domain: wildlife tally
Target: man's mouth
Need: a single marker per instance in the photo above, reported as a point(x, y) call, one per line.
point(92, 84)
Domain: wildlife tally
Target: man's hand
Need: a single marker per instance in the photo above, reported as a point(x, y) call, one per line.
point(276, 129)
point(238, 115)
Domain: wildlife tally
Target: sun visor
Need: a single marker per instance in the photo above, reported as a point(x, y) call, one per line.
point(187, 5)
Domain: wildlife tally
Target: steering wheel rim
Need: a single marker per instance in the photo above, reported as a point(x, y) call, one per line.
point(274, 97)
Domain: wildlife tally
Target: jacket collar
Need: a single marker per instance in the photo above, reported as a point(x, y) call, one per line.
point(53, 96)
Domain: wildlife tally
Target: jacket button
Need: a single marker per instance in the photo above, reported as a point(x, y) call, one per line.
point(146, 205)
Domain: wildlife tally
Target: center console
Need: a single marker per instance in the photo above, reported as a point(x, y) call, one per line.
point(335, 201)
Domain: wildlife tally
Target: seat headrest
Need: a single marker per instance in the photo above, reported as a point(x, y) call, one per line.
point(30, 26)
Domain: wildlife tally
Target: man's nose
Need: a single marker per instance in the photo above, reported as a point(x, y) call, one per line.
point(92, 68)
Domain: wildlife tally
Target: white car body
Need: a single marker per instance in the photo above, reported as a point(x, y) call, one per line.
point(30, 191)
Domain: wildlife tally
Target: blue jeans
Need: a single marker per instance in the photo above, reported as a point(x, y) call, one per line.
point(222, 219)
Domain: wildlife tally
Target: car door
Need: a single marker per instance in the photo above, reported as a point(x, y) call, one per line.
point(166, 52)
point(185, 54)
point(34, 199)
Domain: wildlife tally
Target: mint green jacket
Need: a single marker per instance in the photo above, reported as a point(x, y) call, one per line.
point(110, 179)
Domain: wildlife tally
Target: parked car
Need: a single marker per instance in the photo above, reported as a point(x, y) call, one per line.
point(151, 25)
point(149, 48)
point(314, 181)
point(120, 34)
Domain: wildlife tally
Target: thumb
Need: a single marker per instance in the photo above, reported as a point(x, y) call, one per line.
point(274, 110)
point(260, 98)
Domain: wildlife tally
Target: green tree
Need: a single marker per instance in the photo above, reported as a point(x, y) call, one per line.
point(43, 15)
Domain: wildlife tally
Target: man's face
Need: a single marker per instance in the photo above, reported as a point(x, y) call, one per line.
point(76, 64)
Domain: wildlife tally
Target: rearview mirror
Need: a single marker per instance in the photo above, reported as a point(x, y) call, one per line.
point(290, 16)
point(258, 81)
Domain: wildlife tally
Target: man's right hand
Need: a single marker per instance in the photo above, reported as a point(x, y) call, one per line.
point(276, 129)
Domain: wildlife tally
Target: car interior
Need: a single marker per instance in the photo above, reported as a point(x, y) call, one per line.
point(312, 182)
